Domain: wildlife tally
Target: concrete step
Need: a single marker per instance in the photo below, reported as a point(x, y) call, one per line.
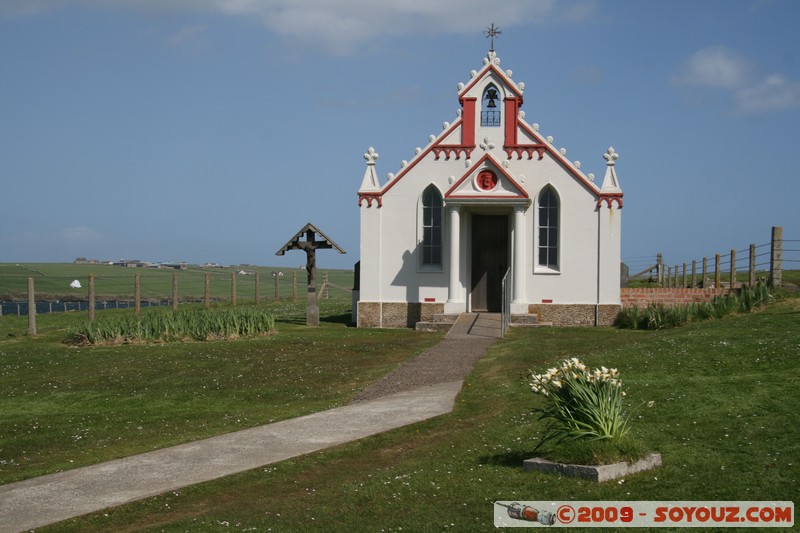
point(431, 326)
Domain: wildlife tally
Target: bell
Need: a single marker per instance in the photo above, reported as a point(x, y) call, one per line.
point(491, 95)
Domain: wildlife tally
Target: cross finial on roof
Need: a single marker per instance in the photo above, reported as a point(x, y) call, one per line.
point(491, 33)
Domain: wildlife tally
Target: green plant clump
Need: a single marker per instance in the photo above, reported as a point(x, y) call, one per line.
point(660, 316)
point(582, 405)
point(166, 326)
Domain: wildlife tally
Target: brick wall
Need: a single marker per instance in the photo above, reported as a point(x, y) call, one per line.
point(642, 297)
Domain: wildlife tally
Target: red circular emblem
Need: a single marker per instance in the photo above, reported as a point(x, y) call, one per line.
point(487, 180)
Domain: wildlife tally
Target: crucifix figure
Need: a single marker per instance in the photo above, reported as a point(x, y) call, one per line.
point(491, 33)
point(310, 246)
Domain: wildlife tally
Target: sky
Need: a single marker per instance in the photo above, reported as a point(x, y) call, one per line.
point(213, 130)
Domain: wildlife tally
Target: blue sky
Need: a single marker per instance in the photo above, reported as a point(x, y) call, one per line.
point(211, 130)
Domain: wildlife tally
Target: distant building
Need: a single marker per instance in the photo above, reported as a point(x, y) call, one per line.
point(174, 266)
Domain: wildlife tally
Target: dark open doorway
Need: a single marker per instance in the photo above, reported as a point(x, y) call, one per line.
point(489, 261)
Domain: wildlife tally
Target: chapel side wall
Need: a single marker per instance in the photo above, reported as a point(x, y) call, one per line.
point(370, 252)
point(610, 221)
point(405, 280)
point(575, 282)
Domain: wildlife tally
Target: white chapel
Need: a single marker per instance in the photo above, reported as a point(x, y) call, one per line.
point(489, 203)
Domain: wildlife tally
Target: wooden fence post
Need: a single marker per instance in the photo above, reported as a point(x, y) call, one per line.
point(325, 286)
point(258, 278)
point(694, 273)
point(717, 273)
point(137, 295)
point(276, 276)
point(733, 269)
point(776, 257)
point(207, 291)
point(751, 282)
point(174, 291)
point(294, 286)
point(91, 297)
point(685, 281)
point(660, 269)
point(31, 309)
point(705, 272)
point(233, 288)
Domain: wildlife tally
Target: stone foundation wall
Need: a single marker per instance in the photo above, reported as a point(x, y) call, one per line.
point(642, 297)
point(583, 315)
point(395, 314)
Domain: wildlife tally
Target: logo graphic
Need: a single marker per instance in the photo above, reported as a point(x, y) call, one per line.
point(529, 514)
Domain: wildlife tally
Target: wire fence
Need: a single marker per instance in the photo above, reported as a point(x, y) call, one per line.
point(764, 262)
point(56, 291)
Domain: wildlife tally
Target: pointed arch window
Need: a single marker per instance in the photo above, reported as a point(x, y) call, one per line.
point(490, 112)
point(548, 245)
point(431, 246)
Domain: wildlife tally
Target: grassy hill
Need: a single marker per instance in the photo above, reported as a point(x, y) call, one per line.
point(52, 281)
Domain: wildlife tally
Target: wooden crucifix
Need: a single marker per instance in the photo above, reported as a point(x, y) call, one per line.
point(310, 246)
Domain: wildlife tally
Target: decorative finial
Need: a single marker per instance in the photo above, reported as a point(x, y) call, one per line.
point(491, 33)
point(610, 156)
point(371, 156)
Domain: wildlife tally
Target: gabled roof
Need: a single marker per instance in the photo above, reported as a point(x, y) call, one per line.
point(311, 232)
point(491, 64)
point(507, 187)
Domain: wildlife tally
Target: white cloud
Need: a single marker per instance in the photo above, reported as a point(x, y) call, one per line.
point(772, 94)
point(716, 66)
point(338, 26)
point(721, 68)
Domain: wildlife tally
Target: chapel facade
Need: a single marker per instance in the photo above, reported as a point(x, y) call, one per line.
point(489, 198)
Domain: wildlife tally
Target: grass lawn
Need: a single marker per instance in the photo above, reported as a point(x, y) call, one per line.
point(724, 416)
point(63, 407)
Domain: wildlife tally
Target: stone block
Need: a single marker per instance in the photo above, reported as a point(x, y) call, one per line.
point(595, 473)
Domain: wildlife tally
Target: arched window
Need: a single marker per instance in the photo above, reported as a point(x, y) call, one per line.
point(490, 112)
point(548, 229)
point(431, 227)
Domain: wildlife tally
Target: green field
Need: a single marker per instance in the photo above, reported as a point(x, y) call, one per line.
point(718, 399)
point(52, 282)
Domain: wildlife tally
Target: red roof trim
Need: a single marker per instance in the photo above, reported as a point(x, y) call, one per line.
point(437, 148)
point(566, 163)
point(491, 66)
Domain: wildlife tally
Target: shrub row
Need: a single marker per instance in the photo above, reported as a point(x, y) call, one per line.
point(165, 325)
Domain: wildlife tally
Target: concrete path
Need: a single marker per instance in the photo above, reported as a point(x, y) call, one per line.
point(476, 325)
point(48, 499)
